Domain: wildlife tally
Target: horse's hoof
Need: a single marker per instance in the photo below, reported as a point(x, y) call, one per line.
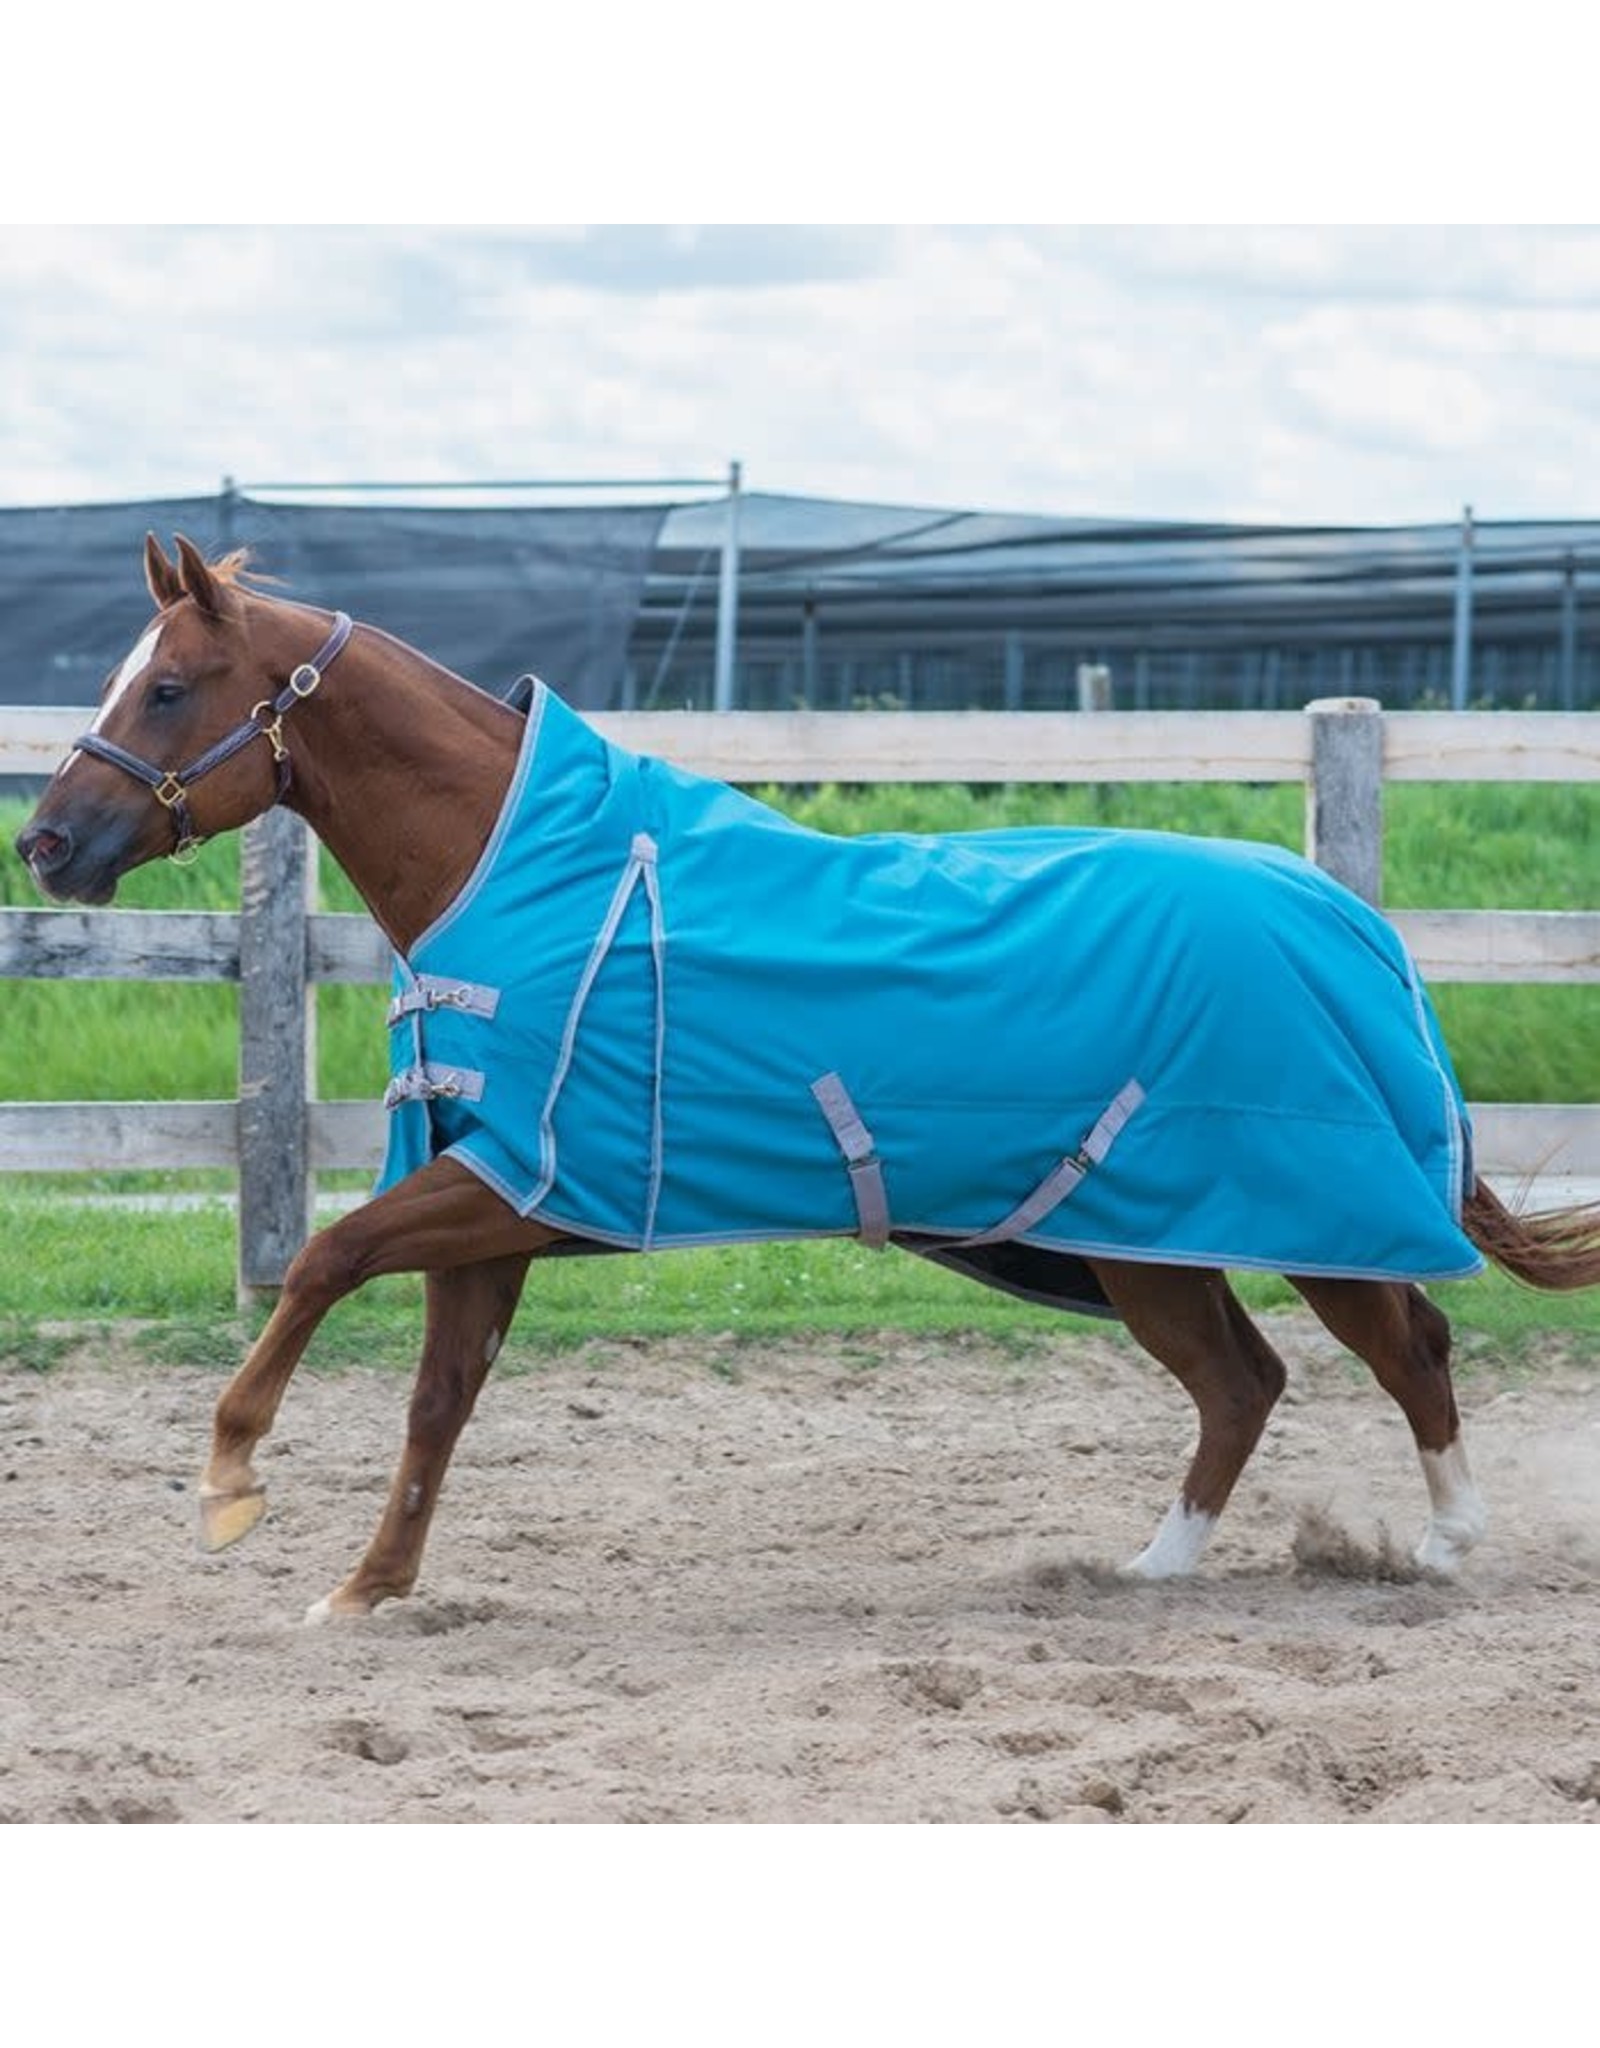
point(336, 1607)
point(1443, 1551)
point(1148, 1572)
point(226, 1517)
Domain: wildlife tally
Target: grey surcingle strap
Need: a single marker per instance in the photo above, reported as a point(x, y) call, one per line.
point(867, 1184)
point(860, 1157)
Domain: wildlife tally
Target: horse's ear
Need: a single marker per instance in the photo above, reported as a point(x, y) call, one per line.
point(197, 578)
point(213, 596)
point(166, 587)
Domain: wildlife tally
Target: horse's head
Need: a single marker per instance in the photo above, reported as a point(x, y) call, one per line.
point(199, 700)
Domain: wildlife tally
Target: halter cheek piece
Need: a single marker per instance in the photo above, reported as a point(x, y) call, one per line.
point(171, 786)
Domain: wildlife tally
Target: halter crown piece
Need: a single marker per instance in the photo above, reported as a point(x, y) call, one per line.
point(171, 786)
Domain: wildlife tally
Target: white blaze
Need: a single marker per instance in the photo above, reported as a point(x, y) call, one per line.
point(134, 667)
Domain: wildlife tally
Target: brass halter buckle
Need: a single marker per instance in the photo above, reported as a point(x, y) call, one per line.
point(269, 717)
point(173, 795)
point(273, 732)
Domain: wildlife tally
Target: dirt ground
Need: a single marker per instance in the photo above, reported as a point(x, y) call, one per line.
point(868, 1582)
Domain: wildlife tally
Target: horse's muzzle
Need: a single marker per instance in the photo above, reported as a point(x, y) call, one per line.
point(54, 858)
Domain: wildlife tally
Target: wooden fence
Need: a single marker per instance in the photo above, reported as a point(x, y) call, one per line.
point(278, 1136)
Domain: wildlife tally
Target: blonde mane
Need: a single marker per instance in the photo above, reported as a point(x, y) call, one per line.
point(234, 569)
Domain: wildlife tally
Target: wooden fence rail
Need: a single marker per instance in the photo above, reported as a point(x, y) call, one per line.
point(278, 1136)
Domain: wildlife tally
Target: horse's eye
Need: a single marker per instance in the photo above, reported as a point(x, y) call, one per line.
point(167, 692)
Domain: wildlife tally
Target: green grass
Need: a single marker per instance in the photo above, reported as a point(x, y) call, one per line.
point(1505, 845)
point(79, 1267)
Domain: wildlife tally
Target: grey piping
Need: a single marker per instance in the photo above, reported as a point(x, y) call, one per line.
point(860, 1157)
point(641, 865)
point(497, 838)
point(644, 848)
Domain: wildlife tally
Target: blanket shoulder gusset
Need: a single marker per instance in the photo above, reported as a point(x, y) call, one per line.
point(1191, 1050)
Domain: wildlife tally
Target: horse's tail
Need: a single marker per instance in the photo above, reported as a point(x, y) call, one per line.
point(1557, 1249)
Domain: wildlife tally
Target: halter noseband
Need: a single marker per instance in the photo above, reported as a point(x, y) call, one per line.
point(171, 786)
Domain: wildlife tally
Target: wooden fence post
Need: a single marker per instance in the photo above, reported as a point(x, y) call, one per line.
point(277, 1051)
point(1344, 792)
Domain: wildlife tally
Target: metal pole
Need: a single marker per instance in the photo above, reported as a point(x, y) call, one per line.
point(810, 662)
point(728, 598)
point(1013, 671)
point(1569, 635)
point(493, 483)
point(1461, 665)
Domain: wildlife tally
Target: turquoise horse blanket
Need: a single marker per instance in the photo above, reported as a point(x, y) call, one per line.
point(660, 1014)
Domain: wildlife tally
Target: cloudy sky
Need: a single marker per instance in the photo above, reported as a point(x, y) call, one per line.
point(1366, 374)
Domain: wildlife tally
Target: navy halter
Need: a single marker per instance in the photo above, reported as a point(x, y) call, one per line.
point(171, 786)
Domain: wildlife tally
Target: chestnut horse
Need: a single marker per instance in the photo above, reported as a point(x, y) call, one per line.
point(401, 770)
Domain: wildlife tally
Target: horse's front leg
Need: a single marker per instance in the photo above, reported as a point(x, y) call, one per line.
point(469, 1311)
point(437, 1218)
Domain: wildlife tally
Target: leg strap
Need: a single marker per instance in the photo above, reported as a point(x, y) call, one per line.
point(1062, 1178)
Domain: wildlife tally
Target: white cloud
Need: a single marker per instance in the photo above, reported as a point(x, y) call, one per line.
point(1298, 373)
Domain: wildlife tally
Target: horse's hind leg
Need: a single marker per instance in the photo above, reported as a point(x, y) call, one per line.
point(469, 1311)
point(1190, 1319)
point(1406, 1341)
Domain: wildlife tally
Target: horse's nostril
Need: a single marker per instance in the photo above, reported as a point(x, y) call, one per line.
point(43, 849)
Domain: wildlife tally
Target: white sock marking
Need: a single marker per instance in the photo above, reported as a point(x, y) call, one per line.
point(1459, 1517)
point(1177, 1546)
